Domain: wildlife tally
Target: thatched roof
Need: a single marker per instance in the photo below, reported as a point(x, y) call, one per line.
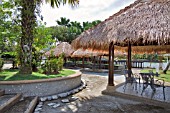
point(145, 22)
point(88, 53)
point(63, 48)
point(150, 49)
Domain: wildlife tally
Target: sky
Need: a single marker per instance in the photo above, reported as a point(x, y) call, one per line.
point(87, 10)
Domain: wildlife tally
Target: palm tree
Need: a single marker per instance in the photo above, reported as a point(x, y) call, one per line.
point(63, 22)
point(28, 23)
point(87, 25)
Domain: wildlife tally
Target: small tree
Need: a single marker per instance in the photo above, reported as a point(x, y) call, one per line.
point(51, 65)
point(1, 64)
point(60, 62)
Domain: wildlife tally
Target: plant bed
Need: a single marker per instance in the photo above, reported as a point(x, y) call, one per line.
point(12, 74)
point(41, 86)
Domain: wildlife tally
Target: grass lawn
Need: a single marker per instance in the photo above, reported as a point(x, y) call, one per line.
point(166, 77)
point(11, 74)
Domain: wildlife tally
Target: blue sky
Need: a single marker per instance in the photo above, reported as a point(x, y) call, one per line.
point(88, 10)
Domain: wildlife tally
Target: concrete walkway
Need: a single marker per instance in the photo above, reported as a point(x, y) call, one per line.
point(91, 100)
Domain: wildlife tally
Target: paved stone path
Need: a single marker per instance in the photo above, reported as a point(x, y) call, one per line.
point(90, 100)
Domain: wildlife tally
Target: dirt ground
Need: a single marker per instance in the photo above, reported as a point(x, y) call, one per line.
point(90, 100)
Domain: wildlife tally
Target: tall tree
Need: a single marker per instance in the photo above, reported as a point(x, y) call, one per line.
point(28, 20)
point(9, 30)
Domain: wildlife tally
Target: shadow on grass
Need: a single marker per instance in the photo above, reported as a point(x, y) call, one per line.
point(12, 75)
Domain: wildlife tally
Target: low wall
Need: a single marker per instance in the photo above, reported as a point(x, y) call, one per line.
point(42, 87)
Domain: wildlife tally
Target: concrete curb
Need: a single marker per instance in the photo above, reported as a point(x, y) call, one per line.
point(32, 105)
point(43, 87)
point(111, 90)
point(64, 94)
point(10, 103)
point(61, 95)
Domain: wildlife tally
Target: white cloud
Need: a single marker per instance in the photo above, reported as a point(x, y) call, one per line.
point(88, 10)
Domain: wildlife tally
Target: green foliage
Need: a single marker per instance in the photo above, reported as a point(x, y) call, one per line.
point(150, 57)
point(87, 25)
point(63, 22)
point(42, 40)
point(43, 37)
point(165, 77)
point(60, 62)
point(8, 55)
point(12, 74)
point(9, 29)
point(67, 30)
point(53, 64)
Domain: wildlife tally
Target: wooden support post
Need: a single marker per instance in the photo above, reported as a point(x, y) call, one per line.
point(110, 76)
point(83, 62)
point(75, 61)
point(100, 62)
point(129, 59)
point(94, 64)
point(112, 63)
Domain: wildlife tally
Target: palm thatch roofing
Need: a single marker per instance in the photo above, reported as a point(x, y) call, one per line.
point(148, 49)
point(88, 53)
point(63, 48)
point(145, 22)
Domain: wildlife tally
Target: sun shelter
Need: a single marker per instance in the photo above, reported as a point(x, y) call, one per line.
point(143, 23)
point(85, 53)
point(63, 48)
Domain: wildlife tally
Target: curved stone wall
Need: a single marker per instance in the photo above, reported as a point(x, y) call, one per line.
point(42, 87)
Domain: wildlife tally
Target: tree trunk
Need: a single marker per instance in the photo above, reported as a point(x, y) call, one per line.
point(28, 24)
point(167, 67)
